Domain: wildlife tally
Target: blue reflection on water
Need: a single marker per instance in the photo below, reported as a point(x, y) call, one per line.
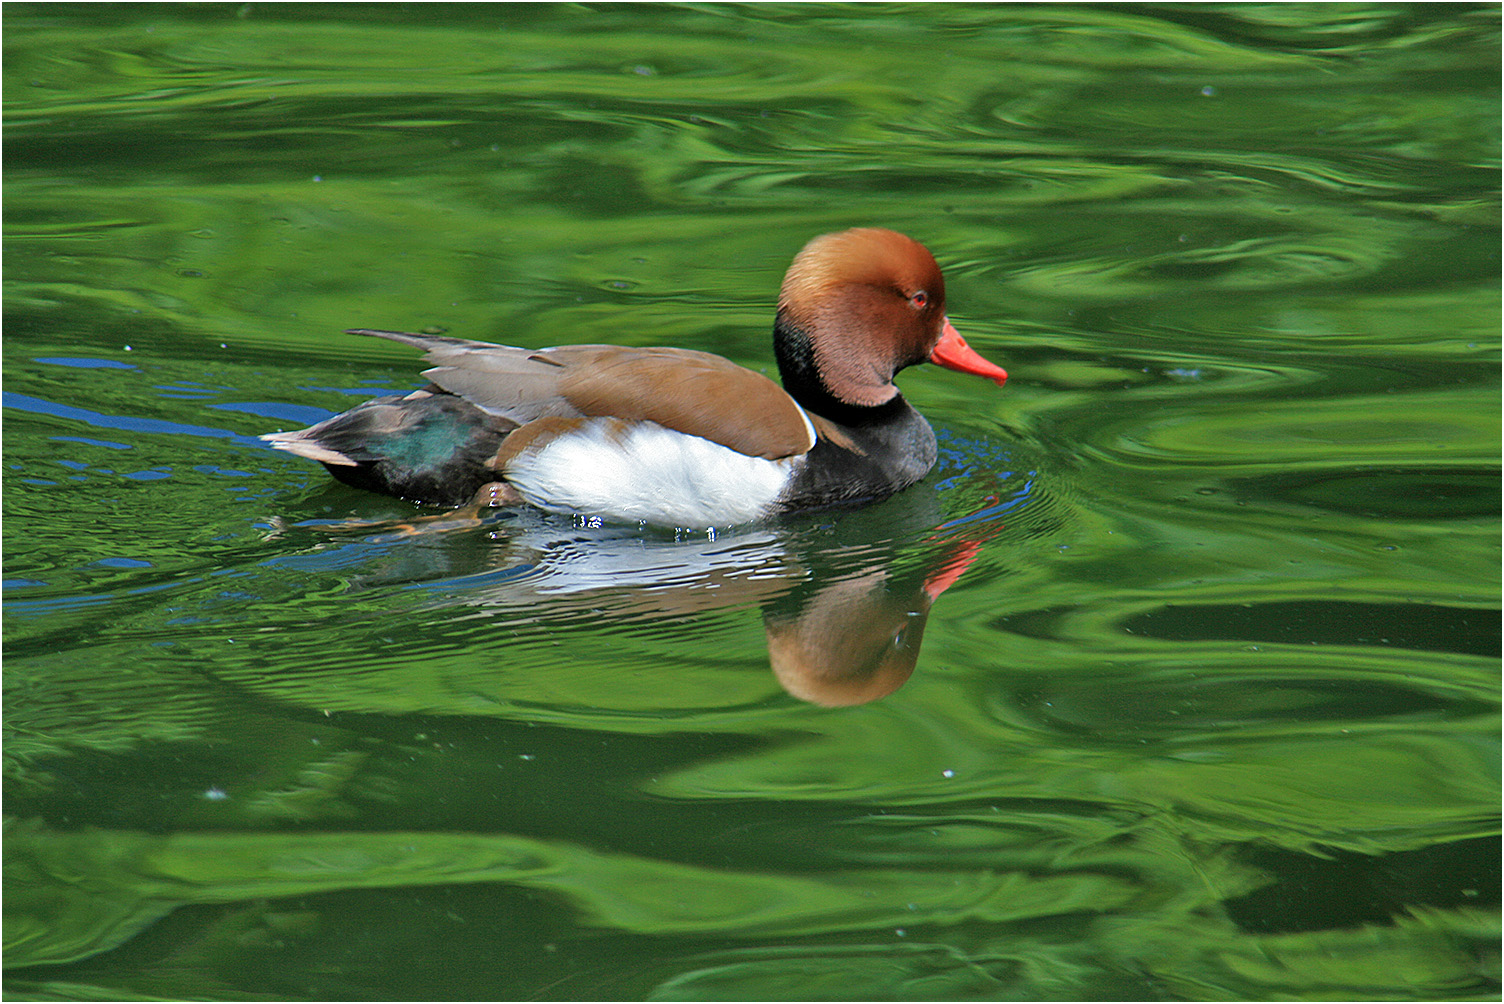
point(83, 363)
point(107, 444)
point(277, 411)
point(25, 402)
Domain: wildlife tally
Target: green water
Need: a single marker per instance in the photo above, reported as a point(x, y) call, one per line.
point(1211, 711)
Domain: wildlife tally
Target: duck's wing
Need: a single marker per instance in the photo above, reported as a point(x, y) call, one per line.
point(695, 393)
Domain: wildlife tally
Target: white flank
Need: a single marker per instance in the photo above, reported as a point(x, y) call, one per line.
point(646, 472)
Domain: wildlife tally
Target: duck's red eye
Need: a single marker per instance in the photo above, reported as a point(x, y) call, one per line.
point(920, 298)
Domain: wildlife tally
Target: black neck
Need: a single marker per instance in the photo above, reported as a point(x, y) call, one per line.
point(801, 378)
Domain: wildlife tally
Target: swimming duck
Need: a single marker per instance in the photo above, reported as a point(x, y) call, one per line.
point(669, 436)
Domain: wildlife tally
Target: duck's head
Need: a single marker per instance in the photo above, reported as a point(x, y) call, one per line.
point(858, 306)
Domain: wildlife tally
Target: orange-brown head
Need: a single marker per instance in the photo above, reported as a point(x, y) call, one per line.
point(860, 305)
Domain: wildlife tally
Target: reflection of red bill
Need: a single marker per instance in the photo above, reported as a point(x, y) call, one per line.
point(945, 576)
point(961, 552)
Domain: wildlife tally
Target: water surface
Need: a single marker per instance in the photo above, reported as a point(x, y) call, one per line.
point(1180, 677)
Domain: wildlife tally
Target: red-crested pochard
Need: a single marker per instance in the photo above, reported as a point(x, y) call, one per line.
point(675, 437)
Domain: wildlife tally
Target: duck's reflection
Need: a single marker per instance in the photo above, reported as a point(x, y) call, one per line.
point(855, 639)
point(844, 603)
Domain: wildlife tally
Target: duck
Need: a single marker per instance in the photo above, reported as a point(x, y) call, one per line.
point(674, 437)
